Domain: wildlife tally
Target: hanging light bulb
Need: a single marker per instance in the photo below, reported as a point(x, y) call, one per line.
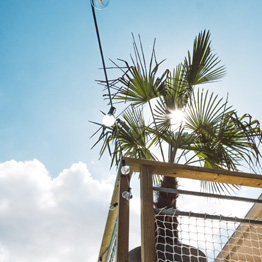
point(127, 194)
point(99, 4)
point(125, 170)
point(109, 119)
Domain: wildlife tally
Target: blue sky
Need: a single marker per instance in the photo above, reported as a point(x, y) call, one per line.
point(49, 61)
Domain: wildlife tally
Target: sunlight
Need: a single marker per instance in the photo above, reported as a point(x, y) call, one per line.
point(176, 117)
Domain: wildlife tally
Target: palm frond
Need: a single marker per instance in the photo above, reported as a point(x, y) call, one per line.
point(204, 109)
point(213, 135)
point(128, 137)
point(140, 84)
point(202, 66)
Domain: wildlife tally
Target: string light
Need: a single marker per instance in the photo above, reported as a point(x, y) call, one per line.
point(125, 170)
point(113, 206)
point(127, 194)
point(99, 4)
point(109, 119)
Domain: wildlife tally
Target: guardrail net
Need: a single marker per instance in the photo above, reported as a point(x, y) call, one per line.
point(186, 238)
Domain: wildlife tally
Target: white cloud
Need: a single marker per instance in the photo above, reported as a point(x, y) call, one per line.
point(62, 219)
point(51, 220)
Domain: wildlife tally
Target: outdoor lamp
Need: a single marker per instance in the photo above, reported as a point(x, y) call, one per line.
point(109, 119)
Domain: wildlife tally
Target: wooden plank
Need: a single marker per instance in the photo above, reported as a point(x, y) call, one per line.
point(111, 220)
point(195, 172)
point(148, 252)
point(123, 222)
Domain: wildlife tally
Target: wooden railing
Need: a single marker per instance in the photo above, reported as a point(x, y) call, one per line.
point(147, 168)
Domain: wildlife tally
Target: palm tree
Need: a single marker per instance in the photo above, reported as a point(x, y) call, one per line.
point(212, 134)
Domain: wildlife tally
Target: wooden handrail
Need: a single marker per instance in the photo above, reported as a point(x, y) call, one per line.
point(147, 168)
point(195, 172)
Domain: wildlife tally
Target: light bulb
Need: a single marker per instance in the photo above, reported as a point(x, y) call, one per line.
point(126, 195)
point(125, 170)
point(113, 206)
point(99, 4)
point(108, 120)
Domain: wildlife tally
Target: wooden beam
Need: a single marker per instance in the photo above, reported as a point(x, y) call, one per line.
point(195, 172)
point(148, 252)
point(110, 223)
point(123, 222)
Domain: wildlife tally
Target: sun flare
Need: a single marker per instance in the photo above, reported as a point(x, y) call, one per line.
point(176, 117)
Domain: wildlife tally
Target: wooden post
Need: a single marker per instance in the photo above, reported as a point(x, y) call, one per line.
point(123, 222)
point(148, 251)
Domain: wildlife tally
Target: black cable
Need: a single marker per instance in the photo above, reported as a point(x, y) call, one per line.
point(101, 52)
point(104, 67)
point(107, 83)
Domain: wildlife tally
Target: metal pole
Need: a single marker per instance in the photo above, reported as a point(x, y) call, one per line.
point(175, 212)
point(193, 193)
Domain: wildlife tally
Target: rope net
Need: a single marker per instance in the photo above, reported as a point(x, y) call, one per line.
point(111, 253)
point(200, 239)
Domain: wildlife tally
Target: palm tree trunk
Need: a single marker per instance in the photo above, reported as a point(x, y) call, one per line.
point(167, 200)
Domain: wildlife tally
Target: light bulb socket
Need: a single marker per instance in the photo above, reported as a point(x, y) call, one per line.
point(112, 110)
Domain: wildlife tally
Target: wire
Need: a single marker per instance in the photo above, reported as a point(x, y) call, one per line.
point(107, 83)
point(101, 53)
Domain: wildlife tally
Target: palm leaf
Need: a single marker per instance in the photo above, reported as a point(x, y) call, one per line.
point(213, 135)
point(140, 84)
point(128, 137)
point(202, 66)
